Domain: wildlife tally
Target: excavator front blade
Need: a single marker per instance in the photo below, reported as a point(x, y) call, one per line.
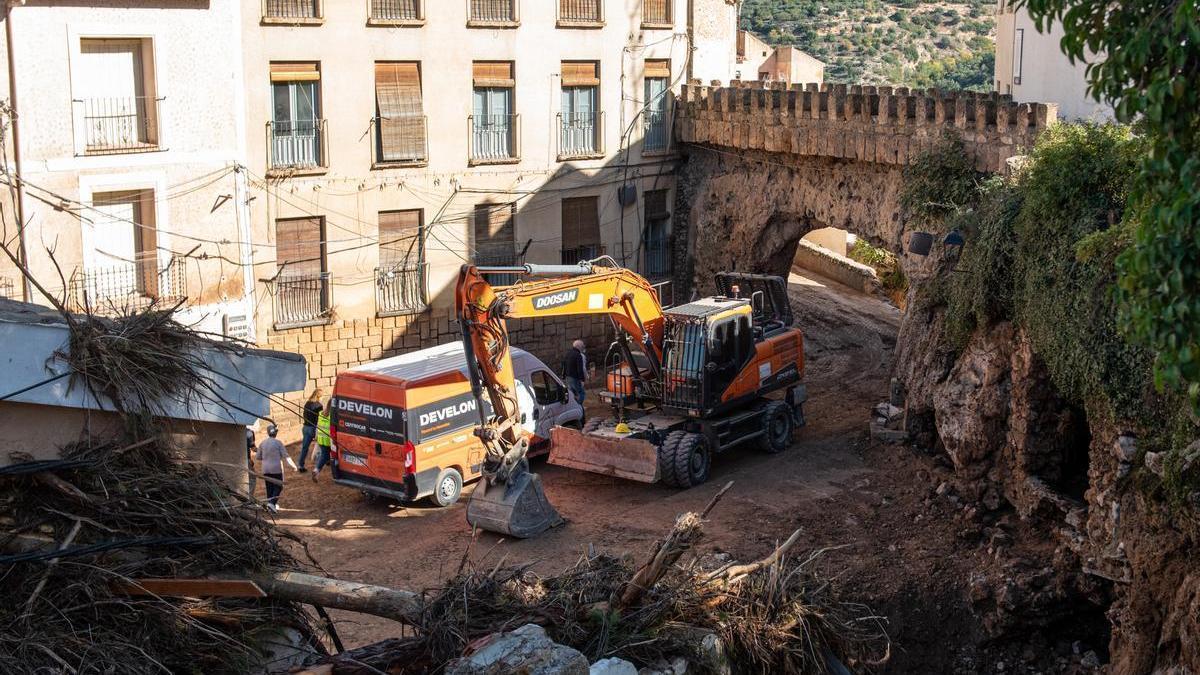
point(608, 454)
point(518, 508)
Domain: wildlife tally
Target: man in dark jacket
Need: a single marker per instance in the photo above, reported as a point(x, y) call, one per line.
point(312, 409)
point(575, 370)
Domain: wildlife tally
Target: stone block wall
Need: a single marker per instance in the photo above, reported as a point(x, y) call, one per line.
point(343, 343)
point(884, 125)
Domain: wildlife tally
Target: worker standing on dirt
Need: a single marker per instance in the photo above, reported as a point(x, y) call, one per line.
point(575, 370)
point(272, 453)
point(250, 447)
point(312, 409)
point(323, 440)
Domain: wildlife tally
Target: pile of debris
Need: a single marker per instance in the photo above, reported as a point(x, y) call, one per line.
point(773, 615)
point(96, 550)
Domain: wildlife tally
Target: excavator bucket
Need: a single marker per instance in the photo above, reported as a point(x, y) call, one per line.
point(611, 455)
point(518, 508)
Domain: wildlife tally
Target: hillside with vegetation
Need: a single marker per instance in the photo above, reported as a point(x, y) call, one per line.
point(947, 44)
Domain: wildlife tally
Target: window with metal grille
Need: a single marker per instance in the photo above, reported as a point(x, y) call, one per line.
point(580, 11)
point(502, 11)
point(580, 120)
point(400, 277)
point(114, 98)
point(302, 284)
point(656, 134)
point(122, 267)
point(296, 130)
point(656, 247)
point(580, 229)
point(400, 125)
point(656, 11)
point(396, 10)
point(292, 9)
point(495, 232)
point(493, 122)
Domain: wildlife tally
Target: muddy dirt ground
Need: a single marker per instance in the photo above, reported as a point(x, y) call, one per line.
point(901, 548)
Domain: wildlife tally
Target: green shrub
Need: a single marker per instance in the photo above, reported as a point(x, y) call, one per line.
point(884, 262)
point(1041, 251)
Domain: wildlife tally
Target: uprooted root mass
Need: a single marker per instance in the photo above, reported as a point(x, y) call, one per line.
point(126, 513)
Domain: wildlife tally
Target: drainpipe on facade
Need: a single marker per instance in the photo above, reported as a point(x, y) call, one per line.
point(691, 39)
point(19, 206)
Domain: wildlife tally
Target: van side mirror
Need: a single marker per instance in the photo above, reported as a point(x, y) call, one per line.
point(563, 396)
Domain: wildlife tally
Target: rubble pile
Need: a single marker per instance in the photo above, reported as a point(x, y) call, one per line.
point(79, 536)
point(669, 615)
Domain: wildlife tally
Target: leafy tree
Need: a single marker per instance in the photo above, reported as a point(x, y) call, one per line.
point(1148, 68)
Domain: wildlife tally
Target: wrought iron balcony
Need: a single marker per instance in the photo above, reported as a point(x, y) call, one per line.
point(297, 145)
point(397, 10)
point(656, 130)
point(399, 289)
point(580, 135)
point(301, 300)
point(494, 138)
point(570, 256)
point(497, 256)
point(116, 125)
point(401, 140)
point(7, 288)
point(126, 287)
point(656, 258)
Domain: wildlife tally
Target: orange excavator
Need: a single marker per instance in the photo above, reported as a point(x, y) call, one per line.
point(684, 382)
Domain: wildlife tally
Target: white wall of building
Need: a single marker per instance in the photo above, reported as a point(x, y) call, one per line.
point(350, 193)
point(73, 95)
point(1032, 67)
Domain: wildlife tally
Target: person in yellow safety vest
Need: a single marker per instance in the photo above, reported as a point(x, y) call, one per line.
point(323, 442)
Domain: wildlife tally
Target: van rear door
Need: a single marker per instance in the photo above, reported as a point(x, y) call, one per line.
point(386, 460)
point(371, 428)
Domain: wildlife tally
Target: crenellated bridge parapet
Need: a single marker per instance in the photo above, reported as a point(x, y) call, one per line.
point(882, 125)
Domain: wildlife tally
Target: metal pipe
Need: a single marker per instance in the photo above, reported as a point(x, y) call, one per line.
point(534, 270)
point(22, 251)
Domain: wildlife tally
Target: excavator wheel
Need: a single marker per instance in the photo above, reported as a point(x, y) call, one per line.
point(777, 423)
point(684, 459)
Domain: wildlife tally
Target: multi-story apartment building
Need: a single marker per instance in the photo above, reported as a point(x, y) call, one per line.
point(1030, 66)
point(391, 141)
point(126, 138)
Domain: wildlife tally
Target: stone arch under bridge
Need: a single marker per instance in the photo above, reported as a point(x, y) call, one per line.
point(765, 164)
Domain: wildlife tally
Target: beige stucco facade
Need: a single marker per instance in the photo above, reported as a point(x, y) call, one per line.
point(1030, 66)
point(352, 189)
point(756, 60)
point(130, 129)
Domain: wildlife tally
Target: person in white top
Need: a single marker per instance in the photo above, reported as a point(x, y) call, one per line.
point(272, 453)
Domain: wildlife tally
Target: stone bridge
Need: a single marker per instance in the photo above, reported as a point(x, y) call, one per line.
point(766, 164)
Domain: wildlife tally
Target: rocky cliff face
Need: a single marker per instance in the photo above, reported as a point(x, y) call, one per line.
point(1075, 473)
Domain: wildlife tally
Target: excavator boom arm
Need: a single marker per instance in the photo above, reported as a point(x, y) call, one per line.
point(512, 501)
point(565, 290)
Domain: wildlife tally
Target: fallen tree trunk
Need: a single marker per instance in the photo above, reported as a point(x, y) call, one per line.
point(389, 603)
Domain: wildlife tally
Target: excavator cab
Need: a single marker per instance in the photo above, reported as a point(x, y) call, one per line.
point(706, 344)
